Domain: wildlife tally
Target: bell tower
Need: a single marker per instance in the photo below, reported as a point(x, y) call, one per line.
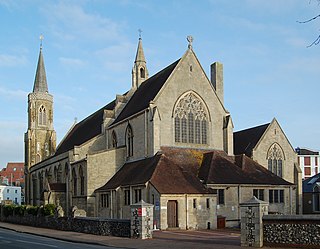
point(40, 138)
point(139, 70)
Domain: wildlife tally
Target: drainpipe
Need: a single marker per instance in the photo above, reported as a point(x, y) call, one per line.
point(186, 209)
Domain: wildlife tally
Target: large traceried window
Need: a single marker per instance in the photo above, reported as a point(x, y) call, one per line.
point(275, 160)
point(42, 117)
point(190, 121)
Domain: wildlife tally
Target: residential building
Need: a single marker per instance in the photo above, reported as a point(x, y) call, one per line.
point(308, 162)
point(311, 195)
point(11, 194)
point(13, 174)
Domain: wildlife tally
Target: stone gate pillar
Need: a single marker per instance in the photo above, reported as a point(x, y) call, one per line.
point(141, 220)
point(251, 222)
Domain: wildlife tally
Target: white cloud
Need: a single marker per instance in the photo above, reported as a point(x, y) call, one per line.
point(7, 60)
point(13, 94)
point(72, 62)
point(71, 22)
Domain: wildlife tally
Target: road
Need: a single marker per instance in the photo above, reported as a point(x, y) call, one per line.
point(14, 240)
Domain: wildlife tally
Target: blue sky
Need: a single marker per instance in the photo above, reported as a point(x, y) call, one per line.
point(89, 49)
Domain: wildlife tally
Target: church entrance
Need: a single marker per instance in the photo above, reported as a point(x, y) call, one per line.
point(172, 214)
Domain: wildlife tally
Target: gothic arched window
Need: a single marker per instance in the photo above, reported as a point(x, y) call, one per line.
point(42, 117)
point(142, 73)
point(81, 176)
point(316, 198)
point(275, 160)
point(114, 140)
point(129, 141)
point(190, 120)
point(75, 182)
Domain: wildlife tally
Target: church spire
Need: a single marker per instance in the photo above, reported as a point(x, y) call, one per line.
point(40, 81)
point(139, 70)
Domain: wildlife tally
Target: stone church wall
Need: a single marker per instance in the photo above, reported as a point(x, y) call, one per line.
point(275, 135)
point(189, 76)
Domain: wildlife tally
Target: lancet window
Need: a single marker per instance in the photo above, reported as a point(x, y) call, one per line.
point(42, 117)
point(190, 120)
point(129, 141)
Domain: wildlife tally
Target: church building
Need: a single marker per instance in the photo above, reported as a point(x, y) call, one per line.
point(168, 141)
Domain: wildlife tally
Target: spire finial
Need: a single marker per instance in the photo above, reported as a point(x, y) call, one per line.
point(140, 31)
point(41, 39)
point(190, 40)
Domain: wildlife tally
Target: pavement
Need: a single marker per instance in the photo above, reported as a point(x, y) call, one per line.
point(175, 239)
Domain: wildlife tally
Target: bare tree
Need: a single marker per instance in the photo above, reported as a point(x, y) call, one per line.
point(317, 40)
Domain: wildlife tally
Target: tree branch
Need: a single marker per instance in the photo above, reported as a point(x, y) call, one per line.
point(309, 20)
point(315, 42)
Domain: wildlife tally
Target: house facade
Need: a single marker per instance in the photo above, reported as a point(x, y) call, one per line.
point(149, 144)
point(308, 161)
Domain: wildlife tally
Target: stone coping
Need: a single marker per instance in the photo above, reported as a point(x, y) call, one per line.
point(291, 217)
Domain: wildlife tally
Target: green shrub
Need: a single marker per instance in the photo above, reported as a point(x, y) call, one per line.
point(33, 210)
point(20, 210)
point(48, 210)
point(8, 210)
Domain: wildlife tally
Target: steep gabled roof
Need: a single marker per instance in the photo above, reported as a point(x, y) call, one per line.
point(84, 130)
point(217, 168)
point(145, 93)
point(244, 141)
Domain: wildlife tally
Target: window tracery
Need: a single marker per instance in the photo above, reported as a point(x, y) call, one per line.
point(190, 120)
point(42, 117)
point(275, 160)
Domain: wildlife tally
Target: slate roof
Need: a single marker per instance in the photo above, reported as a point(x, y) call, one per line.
point(162, 172)
point(217, 168)
point(244, 141)
point(91, 126)
point(306, 152)
point(146, 92)
point(308, 184)
point(84, 130)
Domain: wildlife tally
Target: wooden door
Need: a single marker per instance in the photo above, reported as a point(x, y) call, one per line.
point(172, 214)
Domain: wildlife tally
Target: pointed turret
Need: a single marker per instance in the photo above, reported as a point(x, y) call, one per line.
point(139, 70)
point(40, 81)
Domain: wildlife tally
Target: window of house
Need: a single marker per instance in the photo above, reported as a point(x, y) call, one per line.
point(194, 203)
point(275, 160)
point(16, 191)
point(259, 193)
point(152, 199)
point(42, 117)
point(105, 200)
point(190, 120)
point(307, 160)
point(208, 203)
point(8, 190)
point(129, 141)
point(114, 140)
point(276, 196)
point(137, 195)
point(307, 171)
point(127, 197)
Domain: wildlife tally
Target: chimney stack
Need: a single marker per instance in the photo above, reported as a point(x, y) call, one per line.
point(217, 79)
